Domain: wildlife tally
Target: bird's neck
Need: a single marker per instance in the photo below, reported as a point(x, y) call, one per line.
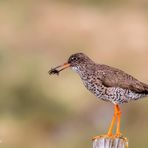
point(84, 69)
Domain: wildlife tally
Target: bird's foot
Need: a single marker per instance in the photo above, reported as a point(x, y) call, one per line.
point(117, 135)
point(103, 136)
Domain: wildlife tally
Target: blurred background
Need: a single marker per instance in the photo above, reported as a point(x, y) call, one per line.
point(39, 111)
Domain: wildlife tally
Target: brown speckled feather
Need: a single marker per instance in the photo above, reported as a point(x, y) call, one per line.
point(105, 82)
point(113, 77)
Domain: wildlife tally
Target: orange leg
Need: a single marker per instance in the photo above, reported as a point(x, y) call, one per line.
point(112, 123)
point(118, 114)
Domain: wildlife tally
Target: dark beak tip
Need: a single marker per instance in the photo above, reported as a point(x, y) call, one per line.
point(49, 72)
point(53, 71)
point(57, 69)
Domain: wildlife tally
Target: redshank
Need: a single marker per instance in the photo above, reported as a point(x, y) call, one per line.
point(107, 83)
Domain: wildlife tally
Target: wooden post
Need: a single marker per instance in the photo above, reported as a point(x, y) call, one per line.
point(106, 142)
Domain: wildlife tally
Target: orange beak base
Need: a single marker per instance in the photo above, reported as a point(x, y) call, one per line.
point(57, 69)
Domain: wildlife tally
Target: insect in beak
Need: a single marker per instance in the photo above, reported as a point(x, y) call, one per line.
point(57, 69)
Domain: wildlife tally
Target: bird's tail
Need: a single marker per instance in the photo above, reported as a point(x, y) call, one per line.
point(145, 88)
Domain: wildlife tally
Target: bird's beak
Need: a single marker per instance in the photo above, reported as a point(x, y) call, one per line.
point(57, 69)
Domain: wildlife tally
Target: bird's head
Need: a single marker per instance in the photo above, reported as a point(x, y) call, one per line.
point(74, 61)
point(77, 59)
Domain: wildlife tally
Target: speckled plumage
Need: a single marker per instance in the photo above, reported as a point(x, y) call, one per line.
point(105, 82)
point(108, 83)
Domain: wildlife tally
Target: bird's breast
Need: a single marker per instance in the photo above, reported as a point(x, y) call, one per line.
point(90, 81)
point(76, 69)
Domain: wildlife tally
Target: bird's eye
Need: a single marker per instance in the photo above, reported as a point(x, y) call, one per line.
point(74, 58)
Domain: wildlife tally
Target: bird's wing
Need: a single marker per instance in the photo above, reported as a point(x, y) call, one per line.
point(113, 77)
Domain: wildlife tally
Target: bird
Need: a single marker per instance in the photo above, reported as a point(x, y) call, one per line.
point(106, 83)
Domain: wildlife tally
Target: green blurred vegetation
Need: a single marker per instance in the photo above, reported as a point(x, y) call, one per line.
point(40, 111)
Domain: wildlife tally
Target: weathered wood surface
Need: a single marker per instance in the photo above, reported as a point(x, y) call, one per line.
point(110, 143)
